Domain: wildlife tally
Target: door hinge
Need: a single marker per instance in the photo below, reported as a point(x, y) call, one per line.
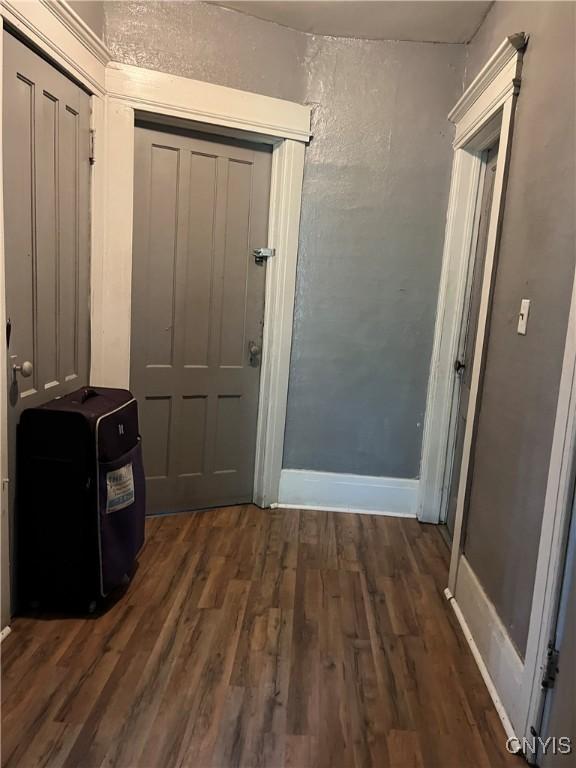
point(459, 366)
point(550, 667)
point(263, 254)
point(92, 147)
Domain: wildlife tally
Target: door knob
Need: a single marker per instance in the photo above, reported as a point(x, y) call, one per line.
point(254, 354)
point(25, 369)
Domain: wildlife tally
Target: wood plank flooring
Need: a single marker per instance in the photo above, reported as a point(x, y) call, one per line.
point(261, 638)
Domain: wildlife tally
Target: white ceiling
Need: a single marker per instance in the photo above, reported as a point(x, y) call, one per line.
point(416, 20)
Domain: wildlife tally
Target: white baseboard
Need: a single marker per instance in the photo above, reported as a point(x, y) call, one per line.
point(498, 660)
point(4, 633)
point(333, 492)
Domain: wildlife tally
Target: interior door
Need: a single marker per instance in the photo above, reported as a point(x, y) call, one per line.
point(464, 364)
point(200, 208)
point(46, 141)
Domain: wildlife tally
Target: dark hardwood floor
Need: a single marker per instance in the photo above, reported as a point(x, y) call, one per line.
point(258, 638)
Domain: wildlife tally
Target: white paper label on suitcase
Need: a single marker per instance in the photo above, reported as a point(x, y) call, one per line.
point(120, 488)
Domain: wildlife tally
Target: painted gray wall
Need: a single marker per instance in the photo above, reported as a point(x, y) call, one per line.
point(208, 43)
point(92, 12)
point(536, 261)
point(373, 214)
point(375, 196)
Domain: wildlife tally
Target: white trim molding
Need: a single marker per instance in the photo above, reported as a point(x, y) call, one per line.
point(443, 387)
point(78, 27)
point(112, 267)
point(334, 492)
point(495, 82)
point(55, 28)
point(494, 226)
point(284, 125)
point(284, 227)
point(164, 94)
point(483, 115)
point(496, 656)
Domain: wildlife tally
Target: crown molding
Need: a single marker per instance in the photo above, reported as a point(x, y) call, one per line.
point(55, 28)
point(78, 27)
point(506, 61)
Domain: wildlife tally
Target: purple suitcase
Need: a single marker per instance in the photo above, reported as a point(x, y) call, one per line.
point(80, 501)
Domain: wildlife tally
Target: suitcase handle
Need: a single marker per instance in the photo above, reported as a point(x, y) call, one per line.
point(87, 393)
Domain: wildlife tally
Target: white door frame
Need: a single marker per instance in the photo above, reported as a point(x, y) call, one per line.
point(56, 30)
point(283, 124)
point(482, 115)
point(485, 113)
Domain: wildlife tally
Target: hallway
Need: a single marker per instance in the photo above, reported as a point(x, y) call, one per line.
point(251, 637)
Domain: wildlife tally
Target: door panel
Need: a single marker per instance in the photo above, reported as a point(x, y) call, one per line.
point(46, 202)
point(467, 350)
point(200, 207)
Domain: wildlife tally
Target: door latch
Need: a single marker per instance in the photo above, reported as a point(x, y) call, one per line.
point(261, 255)
point(25, 369)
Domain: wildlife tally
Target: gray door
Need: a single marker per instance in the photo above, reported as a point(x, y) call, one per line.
point(46, 228)
point(465, 362)
point(560, 706)
point(200, 207)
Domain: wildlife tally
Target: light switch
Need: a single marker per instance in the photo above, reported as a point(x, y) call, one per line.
point(523, 316)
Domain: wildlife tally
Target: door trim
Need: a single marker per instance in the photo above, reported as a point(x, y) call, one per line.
point(55, 29)
point(284, 125)
point(492, 119)
point(164, 94)
point(483, 114)
point(494, 652)
point(479, 122)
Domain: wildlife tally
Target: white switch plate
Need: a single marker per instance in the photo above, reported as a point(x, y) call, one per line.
point(523, 316)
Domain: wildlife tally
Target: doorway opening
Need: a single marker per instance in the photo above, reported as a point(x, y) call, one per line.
point(464, 361)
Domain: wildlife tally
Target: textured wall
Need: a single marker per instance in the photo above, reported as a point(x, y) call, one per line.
point(373, 215)
point(536, 261)
point(205, 42)
point(375, 194)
